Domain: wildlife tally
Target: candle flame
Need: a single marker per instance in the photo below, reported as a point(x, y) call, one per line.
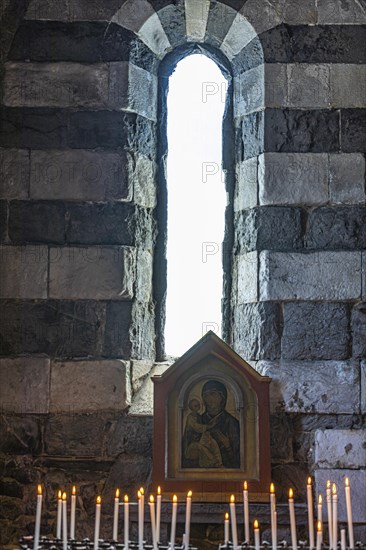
point(39, 489)
point(99, 499)
point(189, 494)
point(64, 496)
point(272, 488)
point(256, 524)
point(290, 493)
point(175, 498)
point(138, 494)
point(126, 498)
point(73, 490)
point(117, 493)
point(346, 482)
point(232, 498)
point(328, 484)
point(319, 526)
point(141, 490)
point(309, 480)
point(334, 489)
point(245, 484)
point(151, 499)
point(227, 516)
point(159, 490)
point(59, 495)
point(320, 499)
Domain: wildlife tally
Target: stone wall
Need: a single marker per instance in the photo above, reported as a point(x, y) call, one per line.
point(80, 175)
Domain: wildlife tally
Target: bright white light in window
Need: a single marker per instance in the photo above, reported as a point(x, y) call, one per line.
point(196, 202)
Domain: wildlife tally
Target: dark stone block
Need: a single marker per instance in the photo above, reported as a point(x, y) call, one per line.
point(3, 220)
point(315, 330)
point(249, 57)
point(129, 472)
point(174, 23)
point(299, 131)
point(10, 507)
point(257, 330)
point(290, 475)
point(42, 222)
point(113, 223)
point(269, 228)
point(57, 328)
point(353, 130)
point(315, 44)
point(19, 435)
point(337, 228)
point(33, 128)
point(281, 438)
point(359, 331)
point(217, 25)
point(308, 423)
point(132, 435)
point(143, 331)
point(11, 488)
point(117, 341)
point(235, 4)
point(250, 138)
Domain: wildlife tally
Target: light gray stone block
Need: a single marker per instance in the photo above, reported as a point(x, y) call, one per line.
point(246, 191)
point(308, 86)
point(249, 93)
point(144, 276)
point(357, 481)
point(246, 276)
point(23, 271)
point(89, 386)
point(143, 401)
point(347, 85)
point(240, 34)
point(275, 85)
point(92, 272)
point(297, 12)
point(293, 178)
point(313, 276)
point(263, 15)
point(337, 12)
point(196, 19)
point(14, 173)
point(363, 387)
point(347, 178)
point(364, 275)
point(142, 173)
point(79, 175)
point(340, 449)
point(56, 85)
point(326, 387)
point(140, 370)
point(24, 385)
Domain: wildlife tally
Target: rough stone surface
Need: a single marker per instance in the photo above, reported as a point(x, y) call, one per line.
point(14, 173)
point(347, 85)
point(313, 276)
point(353, 130)
point(276, 85)
point(364, 275)
point(56, 328)
point(246, 272)
point(363, 387)
point(316, 331)
point(23, 271)
point(173, 21)
point(117, 341)
point(257, 333)
point(357, 480)
point(19, 434)
point(341, 228)
point(143, 333)
point(142, 403)
point(132, 436)
point(246, 191)
point(330, 12)
point(340, 449)
point(37, 222)
point(359, 330)
point(220, 19)
point(140, 370)
point(308, 86)
point(347, 178)
point(250, 136)
point(79, 175)
point(24, 386)
point(3, 221)
point(141, 175)
point(293, 178)
point(249, 92)
point(196, 18)
point(92, 386)
point(94, 272)
point(318, 387)
point(67, 10)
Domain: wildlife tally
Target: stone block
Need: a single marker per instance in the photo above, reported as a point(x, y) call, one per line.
point(302, 131)
point(246, 191)
point(143, 334)
point(364, 275)
point(142, 174)
point(140, 370)
point(142, 403)
point(3, 221)
point(42, 222)
point(347, 178)
point(196, 19)
point(257, 331)
point(316, 331)
point(221, 17)
point(363, 387)
point(14, 174)
point(308, 86)
point(239, 35)
point(93, 272)
point(107, 223)
point(357, 480)
point(359, 330)
point(347, 85)
point(246, 277)
point(340, 13)
point(70, 10)
point(132, 435)
point(275, 85)
point(299, 13)
point(249, 94)
point(293, 178)
point(340, 449)
point(23, 271)
point(24, 386)
point(79, 175)
point(353, 130)
point(325, 387)
point(341, 228)
point(56, 328)
point(249, 57)
point(250, 140)
point(144, 276)
point(56, 85)
point(172, 18)
point(311, 276)
point(84, 386)
point(117, 338)
point(20, 433)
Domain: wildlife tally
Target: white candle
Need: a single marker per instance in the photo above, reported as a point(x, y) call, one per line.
point(37, 527)
point(115, 516)
point(292, 519)
point(188, 519)
point(343, 539)
point(246, 512)
point(126, 521)
point(233, 522)
point(335, 515)
point(64, 521)
point(152, 519)
point(347, 489)
point(309, 493)
point(319, 535)
point(174, 521)
point(256, 535)
point(158, 514)
point(272, 496)
point(141, 517)
point(226, 529)
point(97, 522)
point(72, 513)
point(59, 515)
point(320, 515)
point(329, 513)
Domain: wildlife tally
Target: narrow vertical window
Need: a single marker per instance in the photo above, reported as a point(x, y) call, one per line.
point(196, 202)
